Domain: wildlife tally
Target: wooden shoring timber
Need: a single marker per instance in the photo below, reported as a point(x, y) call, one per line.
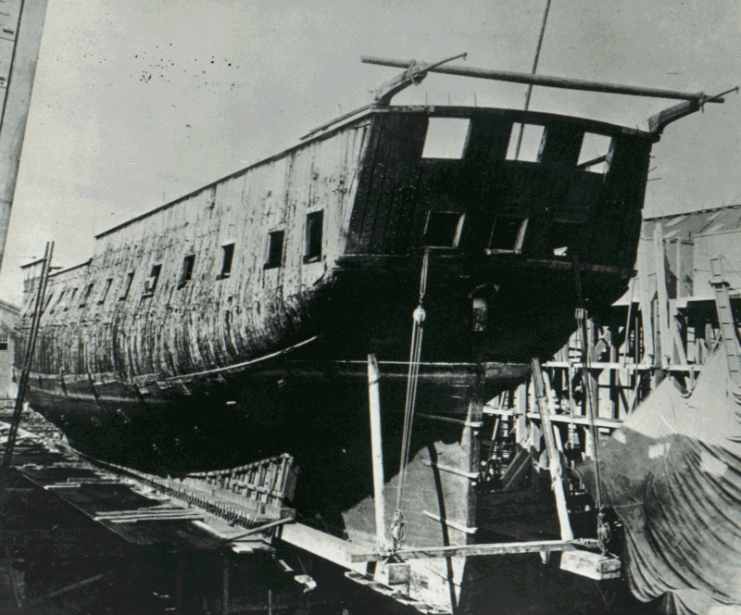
point(261, 529)
point(502, 548)
point(603, 423)
point(603, 365)
point(554, 460)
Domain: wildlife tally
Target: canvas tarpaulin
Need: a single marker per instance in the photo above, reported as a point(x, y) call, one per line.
point(672, 473)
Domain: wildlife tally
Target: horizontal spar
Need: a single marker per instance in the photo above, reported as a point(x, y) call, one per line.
point(504, 548)
point(546, 81)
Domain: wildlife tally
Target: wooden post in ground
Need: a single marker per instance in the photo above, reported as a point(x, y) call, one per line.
point(374, 399)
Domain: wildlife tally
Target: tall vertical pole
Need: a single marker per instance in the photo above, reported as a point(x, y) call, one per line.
point(18, 76)
point(27, 361)
point(374, 399)
point(534, 70)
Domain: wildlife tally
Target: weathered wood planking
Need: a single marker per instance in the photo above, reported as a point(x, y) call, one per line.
point(210, 321)
point(374, 191)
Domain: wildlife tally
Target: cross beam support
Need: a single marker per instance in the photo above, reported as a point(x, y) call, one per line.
point(502, 548)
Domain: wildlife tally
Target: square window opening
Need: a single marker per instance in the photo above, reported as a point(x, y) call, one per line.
point(275, 249)
point(186, 271)
point(150, 284)
point(3, 341)
point(314, 231)
point(59, 300)
point(446, 138)
point(106, 289)
point(508, 234)
point(595, 153)
point(86, 296)
point(443, 229)
point(71, 299)
point(529, 138)
point(127, 285)
point(226, 260)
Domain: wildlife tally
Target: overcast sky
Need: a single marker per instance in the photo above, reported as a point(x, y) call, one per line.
point(139, 102)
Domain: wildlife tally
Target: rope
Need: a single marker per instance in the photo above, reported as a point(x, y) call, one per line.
point(418, 318)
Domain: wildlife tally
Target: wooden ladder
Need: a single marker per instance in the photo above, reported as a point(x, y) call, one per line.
point(726, 320)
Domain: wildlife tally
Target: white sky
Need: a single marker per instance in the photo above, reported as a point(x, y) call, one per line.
point(139, 102)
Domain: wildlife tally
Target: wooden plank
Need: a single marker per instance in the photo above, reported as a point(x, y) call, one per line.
point(447, 419)
point(561, 418)
point(664, 332)
point(554, 460)
point(326, 546)
point(469, 475)
point(456, 526)
point(379, 499)
point(505, 548)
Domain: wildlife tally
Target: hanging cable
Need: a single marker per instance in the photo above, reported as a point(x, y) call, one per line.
point(418, 317)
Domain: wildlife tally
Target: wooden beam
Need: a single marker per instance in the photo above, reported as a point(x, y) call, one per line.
point(456, 526)
point(667, 341)
point(443, 468)
point(447, 419)
point(545, 81)
point(562, 418)
point(374, 405)
point(68, 589)
point(554, 460)
point(502, 548)
point(262, 528)
point(602, 365)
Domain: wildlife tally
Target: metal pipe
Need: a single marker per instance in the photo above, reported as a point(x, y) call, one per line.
point(545, 81)
point(533, 71)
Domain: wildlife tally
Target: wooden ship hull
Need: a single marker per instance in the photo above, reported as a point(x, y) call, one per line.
point(235, 323)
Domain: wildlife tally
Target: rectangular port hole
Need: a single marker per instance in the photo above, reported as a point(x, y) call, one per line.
point(104, 291)
point(508, 234)
point(314, 231)
point(446, 138)
point(275, 250)
point(443, 229)
point(186, 270)
point(531, 144)
point(594, 155)
point(227, 257)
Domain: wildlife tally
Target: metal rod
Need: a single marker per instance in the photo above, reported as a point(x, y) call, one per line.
point(533, 71)
point(552, 82)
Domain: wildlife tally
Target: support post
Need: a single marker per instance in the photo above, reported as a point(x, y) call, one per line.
point(554, 461)
point(374, 400)
point(225, 584)
point(27, 363)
